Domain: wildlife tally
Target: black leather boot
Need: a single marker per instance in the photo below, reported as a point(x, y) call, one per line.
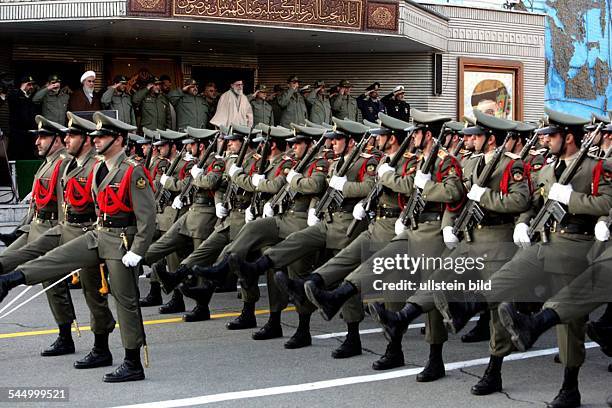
point(246, 320)
point(601, 333)
point(568, 396)
point(301, 337)
point(62, 345)
point(170, 281)
point(10, 237)
point(154, 297)
point(215, 273)
point(352, 343)
point(176, 304)
point(130, 370)
point(202, 295)
point(99, 356)
point(271, 330)
point(9, 281)
point(248, 272)
point(294, 288)
point(394, 324)
point(481, 331)
point(434, 369)
point(491, 381)
point(458, 312)
point(525, 330)
point(329, 302)
point(393, 357)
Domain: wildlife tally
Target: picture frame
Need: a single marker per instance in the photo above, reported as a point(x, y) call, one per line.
point(492, 86)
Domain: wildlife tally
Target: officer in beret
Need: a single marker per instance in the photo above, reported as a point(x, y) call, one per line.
point(53, 99)
point(117, 98)
point(369, 103)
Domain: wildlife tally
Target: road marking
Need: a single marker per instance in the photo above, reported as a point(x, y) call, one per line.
point(338, 382)
point(146, 322)
point(261, 285)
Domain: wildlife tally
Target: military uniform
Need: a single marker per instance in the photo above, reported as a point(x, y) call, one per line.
point(344, 106)
point(294, 107)
point(154, 109)
point(191, 110)
point(54, 104)
point(320, 108)
point(122, 103)
point(262, 112)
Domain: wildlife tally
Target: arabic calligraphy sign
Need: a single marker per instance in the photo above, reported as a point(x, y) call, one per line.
point(341, 14)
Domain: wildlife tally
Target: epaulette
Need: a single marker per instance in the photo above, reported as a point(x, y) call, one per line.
point(513, 156)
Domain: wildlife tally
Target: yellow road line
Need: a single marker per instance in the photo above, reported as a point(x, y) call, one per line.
point(146, 322)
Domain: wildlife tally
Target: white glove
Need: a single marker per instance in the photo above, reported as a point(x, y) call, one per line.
point(312, 218)
point(358, 211)
point(220, 210)
point(476, 193)
point(256, 179)
point(420, 179)
point(291, 175)
point(399, 226)
point(131, 259)
point(520, 236)
point(196, 172)
point(163, 179)
point(268, 211)
point(450, 240)
point(337, 182)
point(177, 203)
point(384, 168)
point(560, 193)
point(602, 232)
point(248, 215)
point(233, 170)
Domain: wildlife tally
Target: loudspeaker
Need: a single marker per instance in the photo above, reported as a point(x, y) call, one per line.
point(437, 74)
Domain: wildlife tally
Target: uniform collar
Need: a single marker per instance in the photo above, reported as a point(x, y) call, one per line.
point(83, 158)
point(114, 161)
point(52, 157)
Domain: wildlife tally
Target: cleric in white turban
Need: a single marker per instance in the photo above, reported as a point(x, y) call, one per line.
point(86, 98)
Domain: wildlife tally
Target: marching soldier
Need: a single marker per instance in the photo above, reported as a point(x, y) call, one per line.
point(262, 110)
point(191, 107)
point(53, 99)
point(117, 98)
point(123, 195)
point(562, 254)
point(292, 104)
point(154, 106)
point(343, 105)
point(44, 213)
point(318, 101)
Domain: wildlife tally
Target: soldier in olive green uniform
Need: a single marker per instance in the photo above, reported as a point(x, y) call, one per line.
point(53, 99)
point(154, 106)
point(197, 223)
point(191, 108)
point(262, 110)
point(328, 235)
point(320, 108)
point(292, 103)
point(126, 214)
point(563, 256)
point(44, 214)
point(505, 195)
point(117, 98)
point(343, 105)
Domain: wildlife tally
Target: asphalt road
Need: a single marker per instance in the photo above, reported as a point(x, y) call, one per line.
point(203, 363)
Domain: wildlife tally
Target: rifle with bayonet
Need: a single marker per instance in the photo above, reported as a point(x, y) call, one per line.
point(232, 188)
point(332, 199)
point(162, 195)
point(552, 209)
point(472, 214)
point(256, 206)
point(286, 195)
point(371, 201)
point(416, 204)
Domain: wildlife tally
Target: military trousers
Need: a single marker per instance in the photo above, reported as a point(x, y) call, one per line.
point(28, 247)
point(123, 281)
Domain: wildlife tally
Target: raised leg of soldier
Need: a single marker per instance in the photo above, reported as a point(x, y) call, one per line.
point(10, 251)
point(22, 251)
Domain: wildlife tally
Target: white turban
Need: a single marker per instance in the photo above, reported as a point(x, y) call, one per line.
point(87, 75)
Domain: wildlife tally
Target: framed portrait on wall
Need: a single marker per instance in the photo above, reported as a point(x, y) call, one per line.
point(491, 86)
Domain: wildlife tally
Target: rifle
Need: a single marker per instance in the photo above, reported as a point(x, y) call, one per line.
point(457, 148)
point(416, 203)
point(333, 198)
point(232, 188)
point(530, 143)
point(472, 214)
point(286, 194)
point(553, 209)
point(149, 157)
point(371, 201)
point(256, 209)
point(162, 196)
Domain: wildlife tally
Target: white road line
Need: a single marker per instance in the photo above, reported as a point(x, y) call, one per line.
point(338, 382)
point(370, 331)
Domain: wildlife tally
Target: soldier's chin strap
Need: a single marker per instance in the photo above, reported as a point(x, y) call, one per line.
point(109, 144)
point(80, 149)
point(50, 145)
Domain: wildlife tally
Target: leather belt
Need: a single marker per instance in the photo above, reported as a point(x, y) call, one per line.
point(490, 220)
point(45, 215)
point(386, 212)
point(430, 216)
point(204, 201)
point(75, 218)
point(571, 228)
point(111, 222)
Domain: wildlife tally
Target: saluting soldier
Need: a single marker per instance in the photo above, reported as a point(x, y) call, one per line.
point(318, 100)
point(292, 103)
point(44, 213)
point(395, 104)
point(53, 99)
point(191, 107)
point(117, 98)
point(563, 256)
point(123, 196)
point(343, 104)
point(154, 106)
point(369, 103)
point(504, 195)
point(262, 110)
